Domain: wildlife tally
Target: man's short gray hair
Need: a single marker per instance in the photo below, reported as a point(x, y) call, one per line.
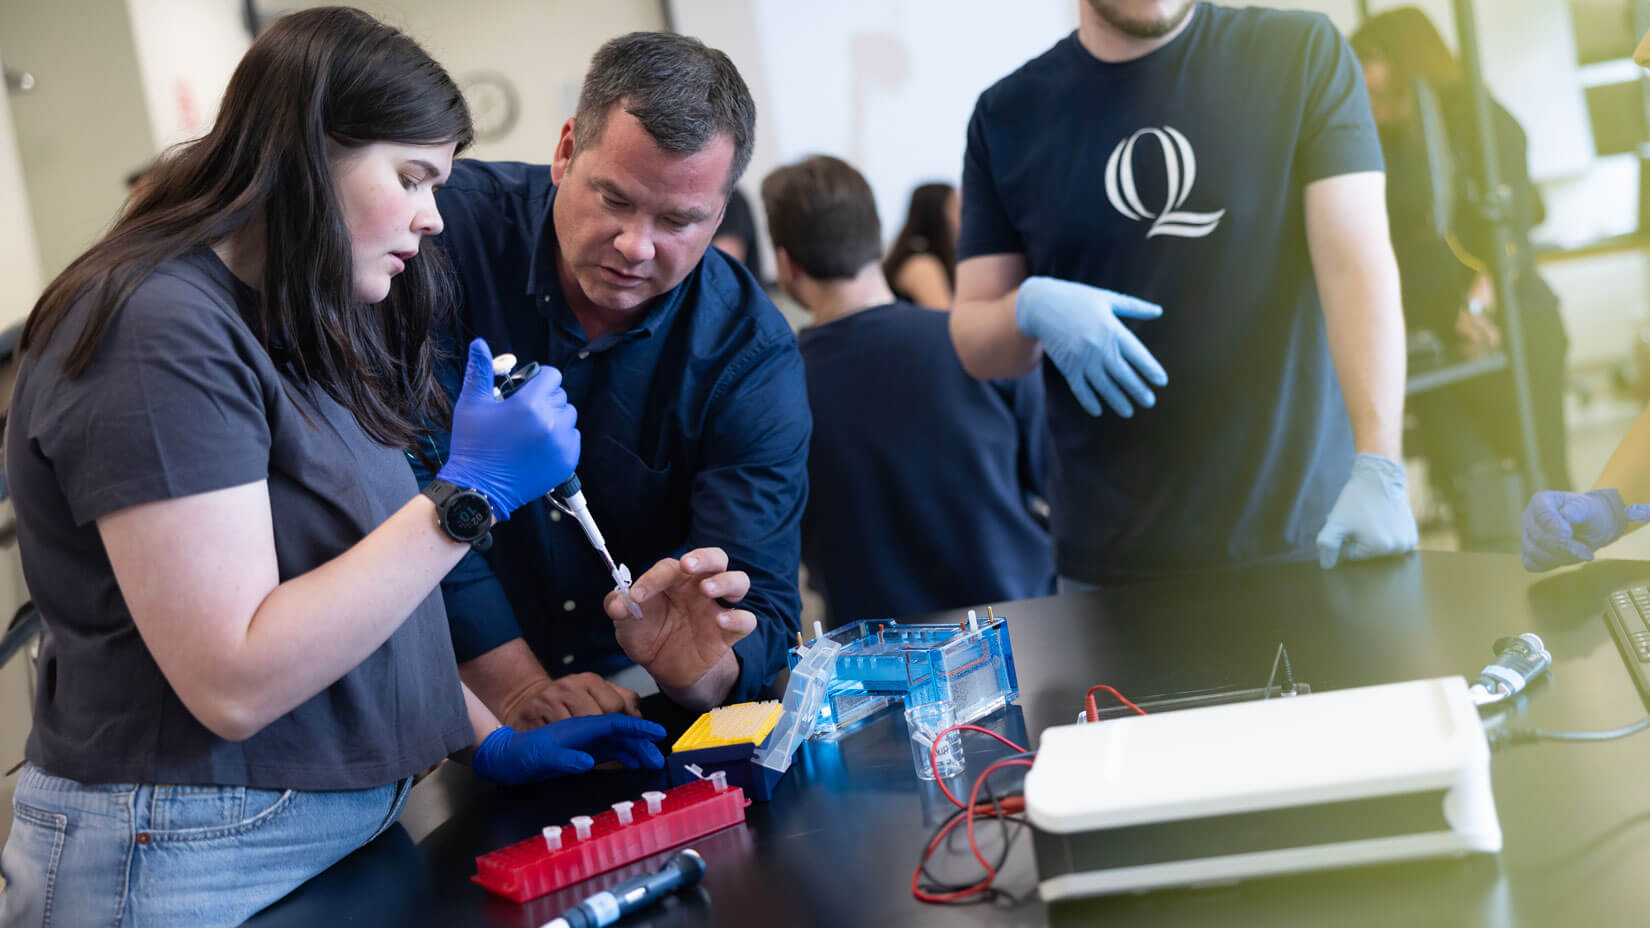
point(683, 92)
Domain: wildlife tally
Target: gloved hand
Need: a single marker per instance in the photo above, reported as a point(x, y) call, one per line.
point(570, 746)
point(1371, 518)
point(1079, 328)
point(513, 450)
point(1566, 528)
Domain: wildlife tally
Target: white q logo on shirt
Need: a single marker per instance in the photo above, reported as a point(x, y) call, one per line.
point(1179, 169)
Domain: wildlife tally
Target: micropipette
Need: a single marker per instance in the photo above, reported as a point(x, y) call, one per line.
point(569, 496)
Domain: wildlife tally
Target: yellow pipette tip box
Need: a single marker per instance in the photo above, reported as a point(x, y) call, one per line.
point(725, 726)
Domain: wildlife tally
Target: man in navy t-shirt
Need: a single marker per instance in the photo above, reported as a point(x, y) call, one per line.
point(1207, 174)
point(921, 476)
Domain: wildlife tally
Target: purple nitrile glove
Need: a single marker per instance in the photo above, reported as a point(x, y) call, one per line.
point(1567, 528)
point(572, 745)
point(511, 450)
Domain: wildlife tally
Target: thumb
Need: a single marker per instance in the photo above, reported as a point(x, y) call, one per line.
point(1638, 512)
point(478, 371)
point(1133, 307)
point(1329, 544)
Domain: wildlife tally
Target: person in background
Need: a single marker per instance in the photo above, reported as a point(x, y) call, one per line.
point(689, 390)
point(737, 234)
point(922, 264)
point(245, 661)
point(1468, 428)
point(1560, 527)
point(921, 476)
point(1179, 211)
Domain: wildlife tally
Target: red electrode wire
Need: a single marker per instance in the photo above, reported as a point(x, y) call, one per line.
point(934, 756)
point(976, 810)
point(1094, 711)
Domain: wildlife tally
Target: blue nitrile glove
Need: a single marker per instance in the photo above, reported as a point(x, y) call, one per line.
point(1079, 328)
point(569, 746)
point(514, 450)
point(1566, 528)
point(1371, 517)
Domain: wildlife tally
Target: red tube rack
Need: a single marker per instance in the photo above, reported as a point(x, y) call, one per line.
point(529, 869)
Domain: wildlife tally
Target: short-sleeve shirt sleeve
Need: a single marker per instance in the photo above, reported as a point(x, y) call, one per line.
point(1338, 135)
point(986, 226)
point(170, 406)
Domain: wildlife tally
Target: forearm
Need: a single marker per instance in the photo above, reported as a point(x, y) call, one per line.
point(482, 720)
point(1628, 469)
point(1357, 277)
point(500, 677)
point(1365, 326)
point(314, 628)
point(989, 342)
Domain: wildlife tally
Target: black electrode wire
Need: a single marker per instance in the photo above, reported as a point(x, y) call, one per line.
point(1510, 737)
point(991, 893)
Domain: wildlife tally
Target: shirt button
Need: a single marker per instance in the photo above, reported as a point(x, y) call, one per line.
point(583, 355)
point(567, 607)
point(547, 298)
point(567, 658)
point(555, 515)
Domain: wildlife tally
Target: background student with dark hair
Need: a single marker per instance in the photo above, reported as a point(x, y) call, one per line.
point(245, 662)
point(1446, 283)
point(689, 391)
point(921, 266)
point(921, 476)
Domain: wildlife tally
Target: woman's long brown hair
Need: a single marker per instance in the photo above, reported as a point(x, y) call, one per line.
point(314, 84)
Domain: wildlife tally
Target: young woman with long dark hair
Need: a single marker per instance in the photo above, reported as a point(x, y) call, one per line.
point(921, 267)
point(244, 662)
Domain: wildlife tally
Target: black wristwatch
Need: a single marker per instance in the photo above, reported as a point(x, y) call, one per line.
point(463, 514)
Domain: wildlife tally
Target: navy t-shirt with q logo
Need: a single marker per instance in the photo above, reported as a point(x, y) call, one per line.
point(1179, 178)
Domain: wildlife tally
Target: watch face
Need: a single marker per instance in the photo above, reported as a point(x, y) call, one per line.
point(467, 516)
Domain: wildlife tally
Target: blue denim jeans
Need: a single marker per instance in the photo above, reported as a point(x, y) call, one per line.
point(124, 854)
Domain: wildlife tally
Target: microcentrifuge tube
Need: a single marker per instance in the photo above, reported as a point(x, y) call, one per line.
point(622, 810)
point(621, 581)
point(719, 780)
point(655, 801)
point(552, 837)
point(581, 826)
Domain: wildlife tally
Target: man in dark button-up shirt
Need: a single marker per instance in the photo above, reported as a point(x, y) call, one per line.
point(689, 390)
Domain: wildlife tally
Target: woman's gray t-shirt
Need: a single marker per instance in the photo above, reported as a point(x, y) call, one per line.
point(180, 399)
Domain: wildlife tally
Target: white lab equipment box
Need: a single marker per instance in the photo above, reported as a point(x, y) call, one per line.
point(1283, 785)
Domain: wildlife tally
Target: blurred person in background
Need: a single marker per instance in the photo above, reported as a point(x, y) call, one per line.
point(1469, 428)
point(922, 478)
point(921, 267)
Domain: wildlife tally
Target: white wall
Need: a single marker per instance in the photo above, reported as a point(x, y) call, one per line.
point(19, 256)
point(84, 126)
point(186, 52)
point(887, 85)
point(542, 48)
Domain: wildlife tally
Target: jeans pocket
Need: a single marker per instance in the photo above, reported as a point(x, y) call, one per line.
point(195, 813)
point(30, 863)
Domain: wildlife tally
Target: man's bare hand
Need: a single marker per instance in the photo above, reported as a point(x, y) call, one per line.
point(547, 700)
point(684, 631)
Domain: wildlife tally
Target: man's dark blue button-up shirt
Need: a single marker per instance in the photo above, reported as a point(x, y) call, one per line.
point(695, 431)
